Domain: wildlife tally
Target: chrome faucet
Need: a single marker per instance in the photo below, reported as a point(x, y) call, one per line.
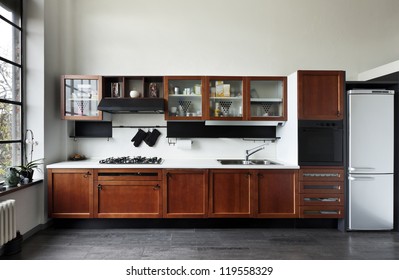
point(250, 152)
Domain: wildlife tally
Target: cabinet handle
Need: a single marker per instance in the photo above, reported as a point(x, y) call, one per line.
point(168, 175)
point(248, 175)
point(99, 187)
point(87, 174)
point(157, 187)
point(260, 175)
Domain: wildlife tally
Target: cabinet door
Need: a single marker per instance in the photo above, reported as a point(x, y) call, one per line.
point(185, 97)
point(230, 193)
point(277, 193)
point(320, 95)
point(127, 199)
point(80, 97)
point(70, 193)
point(267, 98)
point(185, 194)
point(226, 101)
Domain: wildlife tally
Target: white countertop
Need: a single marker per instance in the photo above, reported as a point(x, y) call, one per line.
point(171, 163)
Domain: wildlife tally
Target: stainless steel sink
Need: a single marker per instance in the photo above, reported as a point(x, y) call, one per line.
point(247, 162)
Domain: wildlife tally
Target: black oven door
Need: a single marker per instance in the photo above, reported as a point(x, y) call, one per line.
point(320, 143)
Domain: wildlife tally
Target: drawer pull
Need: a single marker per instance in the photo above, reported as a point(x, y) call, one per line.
point(321, 175)
point(157, 187)
point(322, 187)
point(323, 199)
point(321, 212)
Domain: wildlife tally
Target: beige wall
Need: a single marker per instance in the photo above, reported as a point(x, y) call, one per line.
point(229, 37)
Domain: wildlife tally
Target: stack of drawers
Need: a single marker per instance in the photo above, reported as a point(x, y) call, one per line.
point(321, 192)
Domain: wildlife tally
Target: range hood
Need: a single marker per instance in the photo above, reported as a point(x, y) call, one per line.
point(132, 105)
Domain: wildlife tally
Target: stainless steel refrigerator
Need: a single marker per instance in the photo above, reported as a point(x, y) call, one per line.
point(371, 159)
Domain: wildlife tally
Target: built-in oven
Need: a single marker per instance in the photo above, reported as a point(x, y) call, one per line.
point(320, 143)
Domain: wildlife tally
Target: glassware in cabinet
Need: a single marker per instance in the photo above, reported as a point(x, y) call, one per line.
point(80, 97)
point(267, 98)
point(184, 97)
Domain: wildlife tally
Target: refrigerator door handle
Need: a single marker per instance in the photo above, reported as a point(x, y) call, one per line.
point(361, 178)
point(361, 168)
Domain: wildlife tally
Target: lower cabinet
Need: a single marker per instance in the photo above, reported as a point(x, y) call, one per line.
point(127, 193)
point(321, 192)
point(277, 194)
point(196, 193)
point(70, 193)
point(185, 193)
point(230, 193)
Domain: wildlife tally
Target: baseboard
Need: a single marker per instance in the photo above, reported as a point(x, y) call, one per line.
point(194, 223)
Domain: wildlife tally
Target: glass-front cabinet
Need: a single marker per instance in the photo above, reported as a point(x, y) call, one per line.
point(80, 97)
point(184, 95)
point(226, 99)
point(267, 98)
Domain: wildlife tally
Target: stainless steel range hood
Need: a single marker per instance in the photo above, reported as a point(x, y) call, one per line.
point(132, 105)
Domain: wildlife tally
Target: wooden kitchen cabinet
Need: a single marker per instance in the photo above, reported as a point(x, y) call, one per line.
point(128, 193)
point(185, 96)
point(185, 193)
point(230, 193)
point(266, 98)
point(80, 96)
point(276, 194)
point(321, 192)
point(321, 95)
point(121, 86)
point(70, 193)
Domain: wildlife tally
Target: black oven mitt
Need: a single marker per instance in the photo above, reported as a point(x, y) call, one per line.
point(152, 137)
point(139, 137)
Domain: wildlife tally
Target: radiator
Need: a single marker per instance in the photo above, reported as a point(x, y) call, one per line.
point(8, 227)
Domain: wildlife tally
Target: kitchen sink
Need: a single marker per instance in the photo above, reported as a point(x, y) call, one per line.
point(247, 162)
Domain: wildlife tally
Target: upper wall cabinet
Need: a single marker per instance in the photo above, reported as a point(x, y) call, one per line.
point(133, 87)
point(184, 95)
point(80, 97)
point(267, 98)
point(226, 98)
point(321, 95)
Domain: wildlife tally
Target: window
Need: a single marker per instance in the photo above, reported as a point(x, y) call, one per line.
point(11, 103)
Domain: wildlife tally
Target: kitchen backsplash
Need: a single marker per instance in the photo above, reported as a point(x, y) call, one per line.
point(120, 144)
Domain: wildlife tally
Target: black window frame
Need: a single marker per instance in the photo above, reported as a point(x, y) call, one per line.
point(20, 66)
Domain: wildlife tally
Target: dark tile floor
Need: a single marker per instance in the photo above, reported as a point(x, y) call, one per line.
point(202, 244)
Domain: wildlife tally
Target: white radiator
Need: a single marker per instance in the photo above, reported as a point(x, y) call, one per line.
point(8, 226)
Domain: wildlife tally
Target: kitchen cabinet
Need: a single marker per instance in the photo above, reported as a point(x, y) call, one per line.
point(321, 192)
point(185, 96)
point(80, 96)
point(128, 193)
point(70, 193)
point(266, 98)
point(230, 193)
point(133, 86)
point(226, 98)
point(276, 194)
point(185, 193)
point(321, 95)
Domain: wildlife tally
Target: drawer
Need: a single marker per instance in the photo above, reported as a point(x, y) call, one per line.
point(321, 174)
point(316, 199)
point(127, 174)
point(321, 187)
point(321, 211)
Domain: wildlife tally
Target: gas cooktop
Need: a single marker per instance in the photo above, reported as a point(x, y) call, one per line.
point(132, 160)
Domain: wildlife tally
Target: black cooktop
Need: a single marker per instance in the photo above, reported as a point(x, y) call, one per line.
point(132, 160)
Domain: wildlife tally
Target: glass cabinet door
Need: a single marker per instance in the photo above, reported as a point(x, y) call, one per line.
point(80, 97)
point(184, 96)
point(226, 97)
point(267, 98)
